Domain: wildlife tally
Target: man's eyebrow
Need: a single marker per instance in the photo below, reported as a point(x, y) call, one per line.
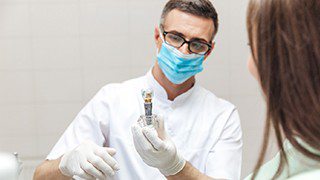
point(182, 35)
point(177, 33)
point(200, 39)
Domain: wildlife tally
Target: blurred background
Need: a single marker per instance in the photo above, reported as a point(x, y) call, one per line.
point(56, 54)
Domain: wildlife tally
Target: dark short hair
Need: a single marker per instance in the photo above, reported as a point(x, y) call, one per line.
point(201, 8)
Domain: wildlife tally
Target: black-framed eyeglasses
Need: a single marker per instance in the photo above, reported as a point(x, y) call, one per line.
point(194, 46)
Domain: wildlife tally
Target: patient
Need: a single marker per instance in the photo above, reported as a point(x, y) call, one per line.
point(284, 38)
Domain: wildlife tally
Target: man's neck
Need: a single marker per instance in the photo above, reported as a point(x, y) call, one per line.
point(173, 90)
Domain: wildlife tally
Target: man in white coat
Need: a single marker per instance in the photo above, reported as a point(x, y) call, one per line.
point(200, 133)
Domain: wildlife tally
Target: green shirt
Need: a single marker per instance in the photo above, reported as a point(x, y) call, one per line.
point(297, 163)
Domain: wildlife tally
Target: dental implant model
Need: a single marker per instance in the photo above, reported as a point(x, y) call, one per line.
point(148, 119)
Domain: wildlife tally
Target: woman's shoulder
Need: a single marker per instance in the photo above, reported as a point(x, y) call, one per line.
point(297, 163)
point(313, 174)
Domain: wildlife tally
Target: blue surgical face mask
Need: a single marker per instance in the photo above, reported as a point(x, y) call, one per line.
point(176, 66)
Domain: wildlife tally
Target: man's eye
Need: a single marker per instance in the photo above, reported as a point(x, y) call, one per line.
point(198, 46)
point(175, 38)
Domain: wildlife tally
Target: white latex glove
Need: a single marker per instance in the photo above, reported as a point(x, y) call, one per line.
point(89, 161)
point(157, 152)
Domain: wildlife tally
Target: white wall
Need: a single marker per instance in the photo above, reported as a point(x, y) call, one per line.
point(56, 54)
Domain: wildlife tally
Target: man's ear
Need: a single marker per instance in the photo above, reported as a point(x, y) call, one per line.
point(157, 35)
point(157, 38)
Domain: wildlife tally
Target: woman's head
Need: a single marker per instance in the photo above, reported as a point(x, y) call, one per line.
point(285, 43)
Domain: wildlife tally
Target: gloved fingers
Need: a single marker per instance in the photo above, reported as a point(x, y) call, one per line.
point(82, 174)
point(152, 136)
point(160, 127)
point(160, 122)
point(101, 165)
point(111, 151)
point(137, 145)
point(88, 168)
point(106, 157)
point(139, 139)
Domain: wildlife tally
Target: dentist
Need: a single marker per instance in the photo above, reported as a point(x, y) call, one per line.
point(199, 134)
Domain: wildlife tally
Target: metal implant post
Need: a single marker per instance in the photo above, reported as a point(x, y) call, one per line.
point(147, 96)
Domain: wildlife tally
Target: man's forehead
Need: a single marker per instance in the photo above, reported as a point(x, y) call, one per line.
point(189, 25)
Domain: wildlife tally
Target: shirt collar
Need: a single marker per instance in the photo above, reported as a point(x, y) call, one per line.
point(161, 94)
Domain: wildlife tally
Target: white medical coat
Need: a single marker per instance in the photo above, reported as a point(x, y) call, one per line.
point(205, 129)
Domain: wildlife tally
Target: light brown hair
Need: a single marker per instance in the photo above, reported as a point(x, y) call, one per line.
point(285, 43)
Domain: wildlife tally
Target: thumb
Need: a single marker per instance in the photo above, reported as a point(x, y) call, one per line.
point(160, 127)
point(111, 151)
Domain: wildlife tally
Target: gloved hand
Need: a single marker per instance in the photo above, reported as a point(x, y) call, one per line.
point(157, 151)
point(89, 161)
